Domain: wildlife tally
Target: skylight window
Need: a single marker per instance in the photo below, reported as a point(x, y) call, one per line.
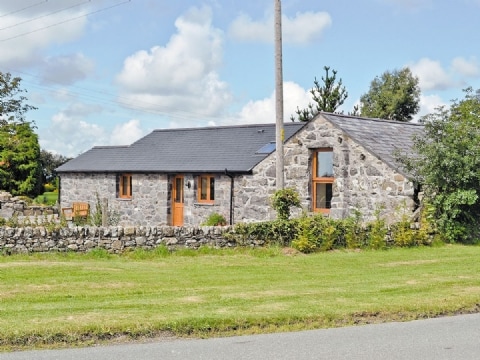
point(267, 148)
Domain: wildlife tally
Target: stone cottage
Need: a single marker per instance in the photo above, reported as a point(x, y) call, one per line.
point(337, 163)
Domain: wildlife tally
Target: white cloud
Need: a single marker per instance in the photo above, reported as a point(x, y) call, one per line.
point(468, 68)
point(431, 74)
point(302, 29)
point(182, 75)
point(70, 136)
point(428, 104)
point(126, 133)
point(305, 28)
point(263, 111)
point(66, 69)
point(24, 34)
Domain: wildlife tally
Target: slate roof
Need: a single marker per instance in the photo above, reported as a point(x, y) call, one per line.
point(380, 137)
point(202, 150)
point(214, 149)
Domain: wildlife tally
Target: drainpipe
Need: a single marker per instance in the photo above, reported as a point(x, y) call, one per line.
point(231, 194)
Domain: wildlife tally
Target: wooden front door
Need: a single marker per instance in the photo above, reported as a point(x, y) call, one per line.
point(177, 201)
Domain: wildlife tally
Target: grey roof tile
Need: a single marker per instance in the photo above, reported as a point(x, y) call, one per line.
point(383, 138)
point(209, 149)
point(214, 149)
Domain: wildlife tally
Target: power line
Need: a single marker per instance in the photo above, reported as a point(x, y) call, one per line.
point(23, 9)
point(65, 21)
point(43, 16)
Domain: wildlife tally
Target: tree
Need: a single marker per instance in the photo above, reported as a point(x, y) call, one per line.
point(327, 97)
point(393, 96)
point(20, 171)
point(12, 102)
point(447, 165)
point(49, 162)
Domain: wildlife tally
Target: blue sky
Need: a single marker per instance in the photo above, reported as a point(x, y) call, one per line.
point(106, 72)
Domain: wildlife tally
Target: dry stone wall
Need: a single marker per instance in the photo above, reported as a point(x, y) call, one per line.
point(114, 239)
point(16, 206)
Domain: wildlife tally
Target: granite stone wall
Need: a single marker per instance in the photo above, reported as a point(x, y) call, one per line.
point(11, 206)
point(362, 181)
point(151, 200)
point(114, 239)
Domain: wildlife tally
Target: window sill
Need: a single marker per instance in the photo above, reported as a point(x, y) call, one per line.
point(203, 204)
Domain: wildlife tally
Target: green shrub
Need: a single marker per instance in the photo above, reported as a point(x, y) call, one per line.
point(283, 200)
point(305, 241)
point(354, 232)
point(215, 219)
point(49, 187)
point(376, 232)
point(278, 232)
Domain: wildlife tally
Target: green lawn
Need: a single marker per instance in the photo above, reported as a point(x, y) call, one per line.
point(72, 298)
point(47, 198)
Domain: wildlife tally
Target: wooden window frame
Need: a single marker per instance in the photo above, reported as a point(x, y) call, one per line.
point(319, 180)
point(210, 196)
point(122, 192)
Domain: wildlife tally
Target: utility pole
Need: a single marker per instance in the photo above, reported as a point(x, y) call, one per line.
point(279, 131)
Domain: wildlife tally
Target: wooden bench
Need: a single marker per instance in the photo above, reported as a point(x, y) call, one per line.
point(78, 209)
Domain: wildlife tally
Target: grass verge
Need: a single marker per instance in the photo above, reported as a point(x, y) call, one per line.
point(47, 198)
point(72, 299)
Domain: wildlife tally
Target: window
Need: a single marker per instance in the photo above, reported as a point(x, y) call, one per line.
point(267, 149)
point(124, 186)
point(322, 170)
point(206, 188)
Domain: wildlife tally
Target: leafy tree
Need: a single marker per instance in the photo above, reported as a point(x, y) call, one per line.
point(49, 162)
point(12, 102)
point(327, 97)
point(20, 171)
point(448, 167)
point(393, 96)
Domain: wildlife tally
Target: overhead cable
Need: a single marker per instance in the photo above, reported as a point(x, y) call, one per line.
point(65, 21)
point(24, 8)
point(43, 16)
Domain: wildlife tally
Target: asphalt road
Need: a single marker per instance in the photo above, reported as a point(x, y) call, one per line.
point(455, 337)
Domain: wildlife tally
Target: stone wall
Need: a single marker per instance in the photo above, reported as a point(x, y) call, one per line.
point(151, 200)
point(16, 206)
point(114, 239)
point(362, 181)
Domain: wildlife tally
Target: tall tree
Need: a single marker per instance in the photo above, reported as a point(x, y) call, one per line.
point(327, 97)
point(12, 103)
point(393, 96)
point(49, 162)
point(20, 170)
point(447, 164)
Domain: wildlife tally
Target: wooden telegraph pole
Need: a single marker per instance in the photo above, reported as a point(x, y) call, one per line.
point(279, 132)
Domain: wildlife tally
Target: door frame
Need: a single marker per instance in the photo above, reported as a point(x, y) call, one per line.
point(178, 200)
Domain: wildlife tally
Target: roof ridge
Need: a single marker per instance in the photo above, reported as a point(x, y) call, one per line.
point(110, 146)
point(214, 127)
point(372, 119)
